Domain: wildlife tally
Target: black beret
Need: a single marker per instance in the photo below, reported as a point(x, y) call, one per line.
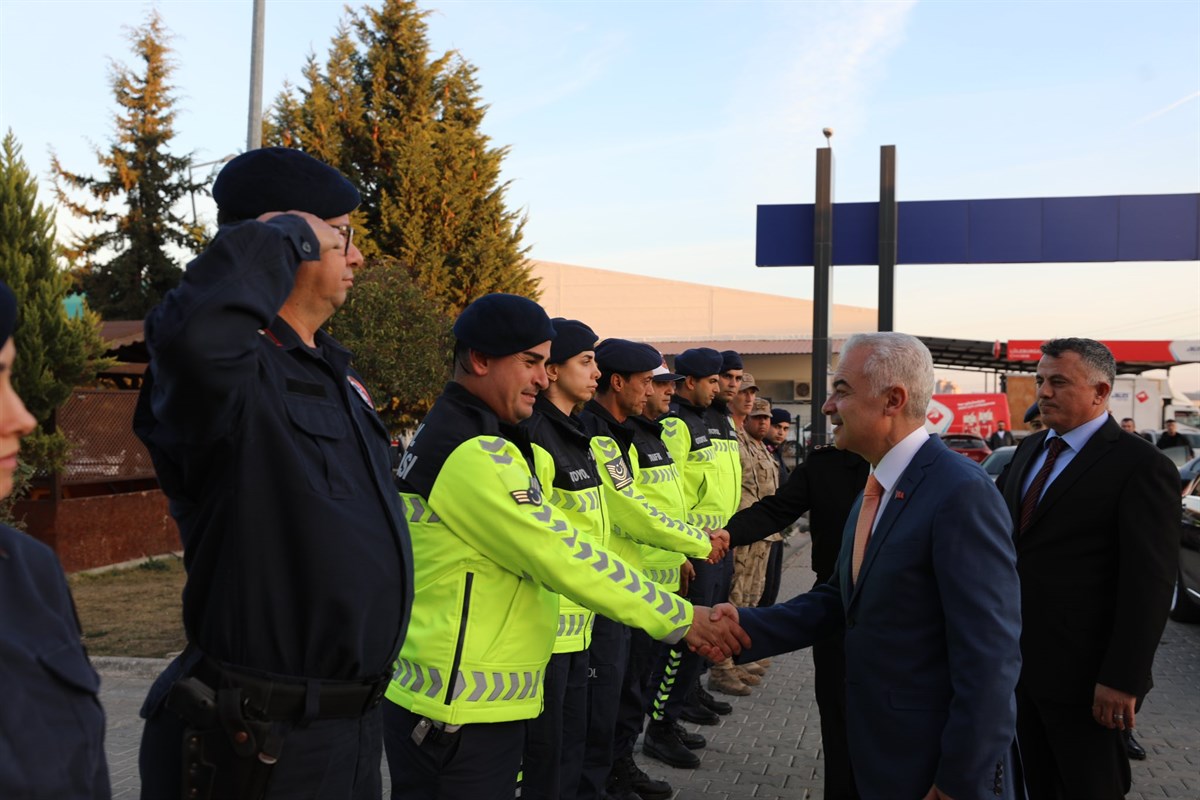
point(8, 312)
point(626, 357)
point(502, 324)
point(730, 359)
point(571, 337)
point(1033, 413)
point(282, 179)
point(699, 362)
point(779, 415)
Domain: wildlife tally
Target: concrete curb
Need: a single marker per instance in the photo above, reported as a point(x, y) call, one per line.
point(140, 667)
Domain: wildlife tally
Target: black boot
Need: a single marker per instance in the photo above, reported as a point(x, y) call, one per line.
point(662, 743)
point(626, 776)
point(697, 713)
point(692, 741)
point(708, 701)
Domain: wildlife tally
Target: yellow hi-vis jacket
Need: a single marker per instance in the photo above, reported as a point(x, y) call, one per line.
point(491, 556)
point(636, 522)
point(706, 493)
point(657, 478)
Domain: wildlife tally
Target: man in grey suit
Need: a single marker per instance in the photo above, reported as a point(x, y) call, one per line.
point(925, 593)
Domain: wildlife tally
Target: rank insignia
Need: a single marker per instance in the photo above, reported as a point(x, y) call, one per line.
point(618, 470)
point(529, 497)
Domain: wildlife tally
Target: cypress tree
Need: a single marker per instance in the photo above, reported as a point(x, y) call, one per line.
point(405, 127)
point(123, 262)
point(54, 352)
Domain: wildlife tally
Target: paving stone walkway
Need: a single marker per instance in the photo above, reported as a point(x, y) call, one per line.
point(770, 746)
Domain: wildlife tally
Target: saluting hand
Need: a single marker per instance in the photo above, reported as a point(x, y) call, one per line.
point(328, 237)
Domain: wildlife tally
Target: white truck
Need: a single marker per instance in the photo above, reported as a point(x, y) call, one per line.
point(1151, 402)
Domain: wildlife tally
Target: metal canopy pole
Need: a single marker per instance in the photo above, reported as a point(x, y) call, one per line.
point(887, 237)
point(822, 289)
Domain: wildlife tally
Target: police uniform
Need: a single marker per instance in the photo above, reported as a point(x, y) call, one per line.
point(51, 723)
point(636, 523)
point(553, 758)
point(277, 471)
point(658, 479)
point(705, 471)
point(493, 556)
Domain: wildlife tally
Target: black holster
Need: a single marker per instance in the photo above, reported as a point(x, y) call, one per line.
point(228, 753)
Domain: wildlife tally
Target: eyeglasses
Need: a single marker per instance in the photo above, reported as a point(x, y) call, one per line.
point(347, 233)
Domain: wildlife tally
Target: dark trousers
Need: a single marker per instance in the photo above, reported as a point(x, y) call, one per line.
point(333, 759)
point(829, 664)
point(635, 693)
point(606, 672)
point(554, 741)
point(1065, 754)
point(677, 667)
point(478, 762)
point(770, 594)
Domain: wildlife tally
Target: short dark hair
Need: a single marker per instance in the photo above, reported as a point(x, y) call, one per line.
point(604, 385)
point(1098, 358)
point(1127, 419)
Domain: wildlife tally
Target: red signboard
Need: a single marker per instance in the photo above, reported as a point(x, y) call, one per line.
point(967, 413)
point(1178, 351)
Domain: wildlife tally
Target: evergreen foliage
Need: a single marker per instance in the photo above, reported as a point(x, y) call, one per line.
point(402, 343)
point(123, 263)
point(405, 128)
point(54, 353)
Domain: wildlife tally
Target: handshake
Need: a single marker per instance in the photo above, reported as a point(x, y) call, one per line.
point(715, 632)
point(720, 545)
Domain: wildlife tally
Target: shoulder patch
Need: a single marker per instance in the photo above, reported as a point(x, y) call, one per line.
point(531, 496)
point(361, 390)
point(618, 470)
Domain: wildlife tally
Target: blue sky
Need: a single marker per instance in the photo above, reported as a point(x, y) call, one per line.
point(643, 134)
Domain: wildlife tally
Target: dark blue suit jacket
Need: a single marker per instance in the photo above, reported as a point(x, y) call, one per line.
point(932, 632)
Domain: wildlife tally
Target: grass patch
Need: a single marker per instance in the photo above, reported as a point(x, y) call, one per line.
point(132, 612)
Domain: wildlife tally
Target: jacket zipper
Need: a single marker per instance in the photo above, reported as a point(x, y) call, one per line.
point(462, 635)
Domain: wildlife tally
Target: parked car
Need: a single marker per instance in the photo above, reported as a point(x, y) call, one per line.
point(1189, 472)
point(994, 464)
point(1185, 604)
point(970, 445)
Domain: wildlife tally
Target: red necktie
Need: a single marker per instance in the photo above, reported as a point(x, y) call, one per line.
point(866, 518)
point(1030, 502)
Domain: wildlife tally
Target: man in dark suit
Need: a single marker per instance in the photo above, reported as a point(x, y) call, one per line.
point(1095, 514)
point(925, 591)
point(1001, 438)
point(825, 485)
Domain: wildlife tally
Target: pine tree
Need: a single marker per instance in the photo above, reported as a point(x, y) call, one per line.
point(405, 127)
point(123, 262)
point(54, 352)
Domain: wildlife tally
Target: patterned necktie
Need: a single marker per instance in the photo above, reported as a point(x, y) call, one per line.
point(866, 518)
point(1030, 503)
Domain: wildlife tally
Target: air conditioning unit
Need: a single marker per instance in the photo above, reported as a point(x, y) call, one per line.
point(801, 390)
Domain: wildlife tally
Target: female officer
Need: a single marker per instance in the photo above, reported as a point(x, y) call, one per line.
point(51, 722)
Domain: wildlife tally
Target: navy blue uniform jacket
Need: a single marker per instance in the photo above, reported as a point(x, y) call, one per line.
point(932, 631)
point(51, 723)
point(277, 469)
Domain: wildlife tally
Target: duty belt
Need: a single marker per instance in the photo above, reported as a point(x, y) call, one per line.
point(296, 700)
